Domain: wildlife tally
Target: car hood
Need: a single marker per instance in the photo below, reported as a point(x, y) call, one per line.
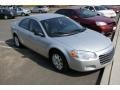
point(88, 40)
point(106, 11)
point(101, 19)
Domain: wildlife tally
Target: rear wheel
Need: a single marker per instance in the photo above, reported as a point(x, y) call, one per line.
point(59, 61)
point(5, 17)
point(17, 41)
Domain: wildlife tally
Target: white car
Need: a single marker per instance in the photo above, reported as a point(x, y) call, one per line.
point(22, 11)
point(40, 9)
point(101, 10)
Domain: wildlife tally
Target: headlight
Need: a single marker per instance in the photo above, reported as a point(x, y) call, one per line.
point(101, 23)
point(86, 55)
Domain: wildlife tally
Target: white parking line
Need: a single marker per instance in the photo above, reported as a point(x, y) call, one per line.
point(5, 47)
point(8, 47)
point(2, 41)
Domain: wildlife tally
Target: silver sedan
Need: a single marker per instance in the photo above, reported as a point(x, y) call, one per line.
point(66, 43)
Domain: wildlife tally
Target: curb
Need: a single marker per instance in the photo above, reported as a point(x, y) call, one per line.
point(105, 80)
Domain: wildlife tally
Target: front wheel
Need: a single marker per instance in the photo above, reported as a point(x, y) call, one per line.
point(59, 62)
point(40, 11)
point(23, 14)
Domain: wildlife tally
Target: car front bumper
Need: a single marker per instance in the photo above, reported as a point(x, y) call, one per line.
point(106, 29)
point(90, 65)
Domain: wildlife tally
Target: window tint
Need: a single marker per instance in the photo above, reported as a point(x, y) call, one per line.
point(19, 9)
point(70, 13)
point(84, 13)
point(61, 12)
point(91, 8)
point(6, 11)
point(25, 24)
point(87, 7)
point(61, 26)
point(35, 27)
point(2, 10)
point(66, 12)
point(100, 8)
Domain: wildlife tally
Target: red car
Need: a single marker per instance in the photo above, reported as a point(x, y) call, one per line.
point(90, 20)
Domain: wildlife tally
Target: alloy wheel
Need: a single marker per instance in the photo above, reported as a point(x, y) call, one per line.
point(57, 61)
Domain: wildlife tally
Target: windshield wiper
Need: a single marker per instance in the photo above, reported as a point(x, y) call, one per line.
point(67, 34)
point(78, 30)
point(59, 33)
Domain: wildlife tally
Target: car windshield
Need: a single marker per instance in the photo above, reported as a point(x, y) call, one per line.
point(86, 13)
point(61, 26)
point(100, 8)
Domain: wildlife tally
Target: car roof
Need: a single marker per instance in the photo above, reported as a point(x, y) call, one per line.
point(45, 16)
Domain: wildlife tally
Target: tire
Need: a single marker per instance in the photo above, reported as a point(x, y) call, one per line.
point(17, 41)
point(59, 64)
point(40, 11)
point(22, 14)
point(13, 17)
point(27, 15)
point(5, 17)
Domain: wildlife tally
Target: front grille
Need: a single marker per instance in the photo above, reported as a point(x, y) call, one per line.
point(106, 57)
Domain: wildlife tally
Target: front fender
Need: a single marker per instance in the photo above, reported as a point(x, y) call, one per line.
point(64, 50)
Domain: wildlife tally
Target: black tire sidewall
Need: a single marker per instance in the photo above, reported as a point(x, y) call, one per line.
point(18, 41)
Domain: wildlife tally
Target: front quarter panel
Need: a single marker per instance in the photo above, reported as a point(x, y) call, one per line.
point(63, 48)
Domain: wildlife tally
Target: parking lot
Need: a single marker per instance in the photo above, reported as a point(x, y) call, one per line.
point(24, 66)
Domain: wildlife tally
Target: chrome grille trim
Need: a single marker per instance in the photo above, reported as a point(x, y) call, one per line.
point(106, 57)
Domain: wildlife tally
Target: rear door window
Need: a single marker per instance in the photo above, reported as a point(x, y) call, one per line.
point(70, 13)
point(62, 11)
point(25, 23)
point(66, 12)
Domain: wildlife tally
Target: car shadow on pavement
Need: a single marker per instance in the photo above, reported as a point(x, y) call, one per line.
point(42, 61)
